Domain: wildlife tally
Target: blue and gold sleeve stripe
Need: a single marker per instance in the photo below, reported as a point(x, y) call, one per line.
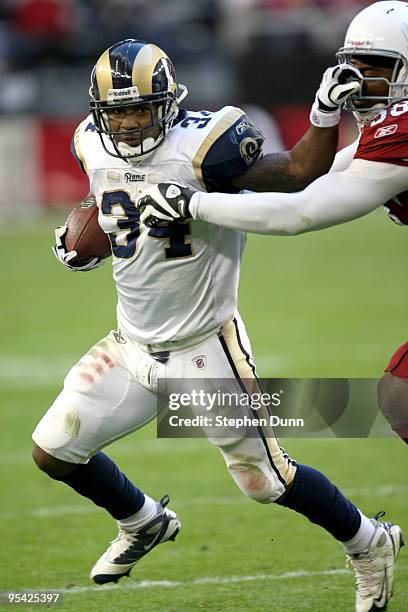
point(220, 128)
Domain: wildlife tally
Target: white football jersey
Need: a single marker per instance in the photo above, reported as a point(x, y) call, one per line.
point(180, 280)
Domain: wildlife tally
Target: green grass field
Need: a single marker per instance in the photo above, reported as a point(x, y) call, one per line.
point(326, 304)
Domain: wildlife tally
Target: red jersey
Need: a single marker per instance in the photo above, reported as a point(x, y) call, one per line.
point(385, 140)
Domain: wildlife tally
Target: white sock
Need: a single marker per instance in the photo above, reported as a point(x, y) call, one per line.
point(143, 516)
point(361, 541)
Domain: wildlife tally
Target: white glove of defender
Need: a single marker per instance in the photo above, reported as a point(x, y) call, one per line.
point(65, 256)
point(338, 83)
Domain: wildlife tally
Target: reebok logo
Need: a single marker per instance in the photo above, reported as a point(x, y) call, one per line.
point(118, 337)
point(386, 130)
point(242, 127)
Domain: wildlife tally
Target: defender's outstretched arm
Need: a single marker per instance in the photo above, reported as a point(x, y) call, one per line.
point(313, 155)
point(334, 198)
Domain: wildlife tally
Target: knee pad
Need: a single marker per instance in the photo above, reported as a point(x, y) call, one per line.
point(57, 428)
point(253, 482)
point(260, 468)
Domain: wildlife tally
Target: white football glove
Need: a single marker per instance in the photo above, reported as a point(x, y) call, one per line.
point(64, 256)
point(164, 203)
point(338, 83)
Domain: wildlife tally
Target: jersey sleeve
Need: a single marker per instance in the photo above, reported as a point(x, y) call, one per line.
point(77, 155)
point(385, 140)
point(78, 145)
point(398, 365)
point(230, 148)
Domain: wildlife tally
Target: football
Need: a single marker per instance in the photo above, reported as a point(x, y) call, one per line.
point(84, 234)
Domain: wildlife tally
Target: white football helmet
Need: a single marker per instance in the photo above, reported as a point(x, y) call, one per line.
point(379, 32)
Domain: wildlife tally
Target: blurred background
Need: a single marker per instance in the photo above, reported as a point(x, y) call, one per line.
point(264, 55)
point(325, 304)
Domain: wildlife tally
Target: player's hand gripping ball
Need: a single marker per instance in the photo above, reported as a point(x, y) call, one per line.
point(81, 244)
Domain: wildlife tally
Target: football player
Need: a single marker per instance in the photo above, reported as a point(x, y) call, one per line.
point(177, 305)
point(393, 392)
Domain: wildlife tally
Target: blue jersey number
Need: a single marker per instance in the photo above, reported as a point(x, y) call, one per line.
point(177, 236)
point(198, 122)
point(119, 205)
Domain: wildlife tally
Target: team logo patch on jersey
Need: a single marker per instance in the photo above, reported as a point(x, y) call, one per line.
point(200, 362)
point(250, 149)
point(387, 130)
point(133, 178)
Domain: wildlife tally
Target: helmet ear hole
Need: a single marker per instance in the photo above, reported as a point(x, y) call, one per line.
point(400, 71)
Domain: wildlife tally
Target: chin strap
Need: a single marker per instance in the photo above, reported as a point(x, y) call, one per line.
point(183, 93)
point(128, 151)
point(365, 117)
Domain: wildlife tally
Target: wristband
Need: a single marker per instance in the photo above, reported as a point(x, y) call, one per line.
point(323, 119)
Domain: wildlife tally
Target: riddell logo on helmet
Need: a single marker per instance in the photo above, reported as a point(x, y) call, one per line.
point(358, 43)
point(127, 92)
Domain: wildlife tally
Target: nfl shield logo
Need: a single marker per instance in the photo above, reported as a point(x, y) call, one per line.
point(199, 362)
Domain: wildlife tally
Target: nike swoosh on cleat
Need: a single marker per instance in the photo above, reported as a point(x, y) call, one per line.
point(380, 601)
point(152, 543)
point(157, 536)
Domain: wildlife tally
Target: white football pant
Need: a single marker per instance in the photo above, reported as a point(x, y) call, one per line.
point(112, 391)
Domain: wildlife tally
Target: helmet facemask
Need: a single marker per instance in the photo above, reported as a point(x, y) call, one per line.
point(163, 110)
point(366, 106)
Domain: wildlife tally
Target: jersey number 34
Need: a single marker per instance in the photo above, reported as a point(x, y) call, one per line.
point(119, 205)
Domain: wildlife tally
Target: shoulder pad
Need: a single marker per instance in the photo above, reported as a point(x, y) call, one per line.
point(230, 147)
point(77, 141)
point(87, 148)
